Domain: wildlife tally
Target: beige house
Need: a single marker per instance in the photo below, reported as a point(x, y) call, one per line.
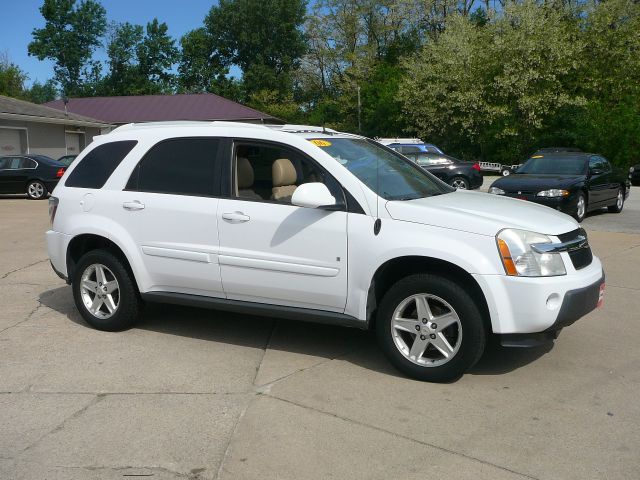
point(29, 128)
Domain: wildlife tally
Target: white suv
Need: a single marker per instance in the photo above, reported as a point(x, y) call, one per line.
point(311, 224)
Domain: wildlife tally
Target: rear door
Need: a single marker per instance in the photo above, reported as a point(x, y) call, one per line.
point(169, 207)
point(272, 251)
point(12, 177)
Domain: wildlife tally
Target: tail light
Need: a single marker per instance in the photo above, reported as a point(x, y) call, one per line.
point(53, 208)
point(476, 166)
point(60, 173)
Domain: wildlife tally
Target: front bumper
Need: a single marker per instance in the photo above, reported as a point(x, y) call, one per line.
point(566, 205)
point(524, 305)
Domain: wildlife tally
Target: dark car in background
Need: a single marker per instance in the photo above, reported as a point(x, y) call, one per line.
point(67, 160)
point(571, 182)
point(457, 173)
point(35, 175)
point(634, 174)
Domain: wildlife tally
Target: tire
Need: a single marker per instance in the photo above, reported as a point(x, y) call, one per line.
point(466, 336)
point(459, 183)
point(580, 213)
point(619, 205)
point(36, 190)
point(125, 298)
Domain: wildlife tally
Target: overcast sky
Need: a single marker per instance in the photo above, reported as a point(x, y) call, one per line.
point(20, 17)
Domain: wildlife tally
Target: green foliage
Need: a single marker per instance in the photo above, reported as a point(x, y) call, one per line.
point(69, 37)
point(156, 55)
point(42, 92)
point(12, 78)
point(264, 39)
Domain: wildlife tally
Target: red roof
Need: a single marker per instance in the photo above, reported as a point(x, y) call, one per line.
point(149, 108)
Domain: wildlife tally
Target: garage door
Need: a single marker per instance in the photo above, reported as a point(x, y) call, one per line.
point(73, 143)
point(10, 141)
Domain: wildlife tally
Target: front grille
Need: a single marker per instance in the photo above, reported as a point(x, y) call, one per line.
point(581, 257)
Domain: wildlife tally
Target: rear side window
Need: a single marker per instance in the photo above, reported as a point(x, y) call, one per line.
point(180, 166)
point(97, 166)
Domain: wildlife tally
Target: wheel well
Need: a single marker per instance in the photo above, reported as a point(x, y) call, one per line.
point(82, 244)
point(398, 268)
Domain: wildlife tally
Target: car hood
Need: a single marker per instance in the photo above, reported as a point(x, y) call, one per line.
point(481, 213)
point(528, 182)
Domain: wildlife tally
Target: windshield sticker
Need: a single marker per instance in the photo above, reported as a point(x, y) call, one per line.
point(320, 143)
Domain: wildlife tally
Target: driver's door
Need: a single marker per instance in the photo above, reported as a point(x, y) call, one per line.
point(272, 251)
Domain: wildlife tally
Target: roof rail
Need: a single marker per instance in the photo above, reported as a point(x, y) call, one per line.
point(301, 128)
point(185, 123)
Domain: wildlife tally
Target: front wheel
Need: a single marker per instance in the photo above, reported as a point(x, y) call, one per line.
point(460, 183)
point(617, 207)
point(430, 328)
point(104, 292)
point(581, 208)
point(36, 190)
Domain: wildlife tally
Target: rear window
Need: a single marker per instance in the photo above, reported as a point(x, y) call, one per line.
point(97, 166)
point(180, 166)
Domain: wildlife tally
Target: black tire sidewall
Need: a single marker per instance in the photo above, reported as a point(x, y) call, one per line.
point(473, 328)
point(44, 190)
point(128, 307)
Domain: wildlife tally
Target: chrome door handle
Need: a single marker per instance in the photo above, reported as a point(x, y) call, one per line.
point(135, 205)
point(236, 217)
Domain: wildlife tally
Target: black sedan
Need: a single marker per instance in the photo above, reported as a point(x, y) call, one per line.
point(572, 182)
point(634, 174)
point(35, 175)
point(458, 174)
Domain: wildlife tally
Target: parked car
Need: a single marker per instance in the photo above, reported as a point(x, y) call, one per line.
point(634, 174)
point(409, 145)
point(458, 174)
point(571, 182)
point(67, 159)
point(35, 175)
point(316, 225)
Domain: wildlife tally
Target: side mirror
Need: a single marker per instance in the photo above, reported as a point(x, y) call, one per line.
point(314, 195)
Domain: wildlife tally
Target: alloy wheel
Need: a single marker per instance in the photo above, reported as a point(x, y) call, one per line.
point(581, 207)
point(35, 190)
point(620, 200)
point(459, 184)
point(100, 291)
point(426, 330)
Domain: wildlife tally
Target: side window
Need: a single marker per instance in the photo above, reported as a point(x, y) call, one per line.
point(27, 163)
point(180, 166)
point(272, 173)
point(431, 159)
point(14, 163)
point(605, 164)
point(595, 163)
point(97, 166)
point(4, 163)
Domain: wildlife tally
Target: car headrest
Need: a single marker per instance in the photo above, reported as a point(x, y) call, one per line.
point(283, 173)
point(244, 172)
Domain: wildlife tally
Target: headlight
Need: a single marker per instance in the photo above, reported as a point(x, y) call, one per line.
point(496, 191)
point(554, 192)
point(520, 260)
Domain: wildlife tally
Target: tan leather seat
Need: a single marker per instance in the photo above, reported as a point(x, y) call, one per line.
point(284, 177)
point(244, 179)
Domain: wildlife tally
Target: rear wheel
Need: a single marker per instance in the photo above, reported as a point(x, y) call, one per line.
point(617, 207)
point(36, 190)
point(581, 208)
point(430, 328)
point(460, 183)
point(104, 292)
point(506, 172)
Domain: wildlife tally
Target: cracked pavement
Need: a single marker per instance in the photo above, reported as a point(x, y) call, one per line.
point(207, 395)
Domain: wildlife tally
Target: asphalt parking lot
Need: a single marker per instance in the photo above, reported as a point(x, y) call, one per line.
point(197, 394)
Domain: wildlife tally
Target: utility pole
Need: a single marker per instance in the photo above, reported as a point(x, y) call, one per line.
point(359, 112)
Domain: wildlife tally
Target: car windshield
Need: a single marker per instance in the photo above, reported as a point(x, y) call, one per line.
point(384, 171)
point(555, 165)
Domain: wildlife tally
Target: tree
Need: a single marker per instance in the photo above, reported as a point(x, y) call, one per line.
point(495, 91)
point(264, 39)
point(156, 55)
point(42, 92)
point(123, 76)
point(202, 68)
point(69, 38)
point(12, 78)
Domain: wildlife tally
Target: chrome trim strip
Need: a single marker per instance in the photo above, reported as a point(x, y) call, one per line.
point(577, 243)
